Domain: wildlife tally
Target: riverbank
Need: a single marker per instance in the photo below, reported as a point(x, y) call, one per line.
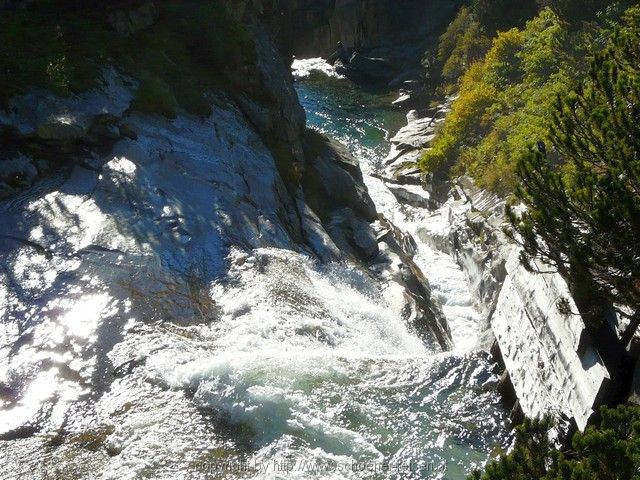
point(552, 365)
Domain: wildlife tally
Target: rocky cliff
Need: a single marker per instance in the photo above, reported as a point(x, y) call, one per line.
point(552, 362)
point(118, 221)
point(317, 26)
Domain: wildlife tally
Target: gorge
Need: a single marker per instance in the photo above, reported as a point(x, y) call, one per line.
point(265, 290)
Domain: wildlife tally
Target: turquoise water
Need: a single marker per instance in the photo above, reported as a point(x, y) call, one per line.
point(439, 411)
point(361, 119)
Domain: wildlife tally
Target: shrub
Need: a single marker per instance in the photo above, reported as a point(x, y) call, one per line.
point(467, 119)
point(463, 42)
point(505, 102)
point(193, 47)
point(584, 221)
point(502, 63)
point(609, 450)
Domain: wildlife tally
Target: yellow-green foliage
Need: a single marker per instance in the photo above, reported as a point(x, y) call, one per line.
point(467, 118)
point(505, 101)
point(462, 43)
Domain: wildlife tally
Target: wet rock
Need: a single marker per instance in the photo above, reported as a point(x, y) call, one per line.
point(396, 238)
point(413, 115)
point(351, 234)
point(400, 167)
point(316, 236)
point(552, 361)
point(417, 134)
point(395, 261)
point(340, 67)
point(377, 70)
point(413, 195)
point(364, 238)
point(333, 180)
point(412, 95)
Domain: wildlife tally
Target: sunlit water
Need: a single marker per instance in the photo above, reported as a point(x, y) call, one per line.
point(364, 120)
point(291, 369)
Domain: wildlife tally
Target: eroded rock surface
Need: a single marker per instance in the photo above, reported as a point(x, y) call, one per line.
point(553, 363)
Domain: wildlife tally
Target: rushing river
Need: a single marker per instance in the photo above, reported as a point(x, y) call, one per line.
point(339, 383)
point(290, 369)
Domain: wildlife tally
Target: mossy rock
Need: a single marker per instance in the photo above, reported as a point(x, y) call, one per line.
point(155, 96)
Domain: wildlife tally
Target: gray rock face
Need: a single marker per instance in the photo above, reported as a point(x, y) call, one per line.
point(140, 233)
point(364, 238)
point(552, 362)
point(332, 179)
point(333, 186)
point(413, 195)
point(279, 117)
point(396, 30)
point(408, 145)
point(417, 134)
point(375, 70)
point(395, 262)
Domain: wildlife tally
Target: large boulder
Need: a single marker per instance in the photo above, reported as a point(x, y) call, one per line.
point(332, 179)
point(422, 312)
point(418, 133)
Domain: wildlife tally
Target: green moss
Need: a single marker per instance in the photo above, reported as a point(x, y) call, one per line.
point(155, 96)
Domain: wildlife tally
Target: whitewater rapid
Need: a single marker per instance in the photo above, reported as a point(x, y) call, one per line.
point(140, 345)
point(309, 370)
point(447, 280)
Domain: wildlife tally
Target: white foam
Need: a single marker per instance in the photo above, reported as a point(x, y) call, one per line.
point(305, 67)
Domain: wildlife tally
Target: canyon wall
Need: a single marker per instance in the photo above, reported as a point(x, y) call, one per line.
point(366, 24)
point(552, 362)
point(112, 215)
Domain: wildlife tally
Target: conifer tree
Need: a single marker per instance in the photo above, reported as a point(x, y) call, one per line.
point(583, 218)
point(609, 450)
